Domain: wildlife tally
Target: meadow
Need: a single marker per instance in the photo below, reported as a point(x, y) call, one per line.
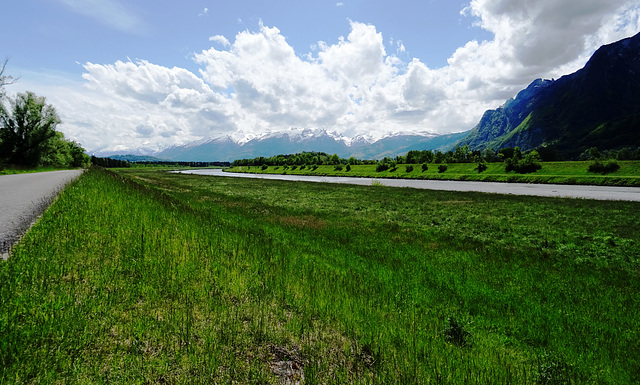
point(573, 172)
point(143, 276)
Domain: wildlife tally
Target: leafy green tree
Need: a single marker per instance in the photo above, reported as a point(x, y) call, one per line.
point(591, 154)
point(461, 154)
point(25, 128)
point(78, 157)
point(56, 152)
point(523, 165)
point(488, 154)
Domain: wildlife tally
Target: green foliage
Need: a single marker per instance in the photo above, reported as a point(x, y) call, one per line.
point(303, 158)
point(28, 137)
point(603, 168)
point(425, 167)
point(109, 162)
point(408, 168)
point(417, 157)
point(338, 167)
point(348, 167)
point(442, 168)
point(25, 129)
point(523, 165)
point(264, 167)
point(481, 167)
point(382, 167)
point(353, 161)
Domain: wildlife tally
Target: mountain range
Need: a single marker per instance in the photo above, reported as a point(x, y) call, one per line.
point(597, 106)
point(295, 141)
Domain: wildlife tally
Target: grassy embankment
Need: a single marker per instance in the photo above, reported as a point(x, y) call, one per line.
point(151, 277)
point(25, 170)
point(551, 172)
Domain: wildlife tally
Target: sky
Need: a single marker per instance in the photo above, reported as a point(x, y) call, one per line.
point(146, 75)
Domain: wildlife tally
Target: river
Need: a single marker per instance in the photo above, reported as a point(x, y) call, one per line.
point(543, 190)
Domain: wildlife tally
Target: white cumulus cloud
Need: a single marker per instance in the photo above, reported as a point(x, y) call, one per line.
point(257, 82)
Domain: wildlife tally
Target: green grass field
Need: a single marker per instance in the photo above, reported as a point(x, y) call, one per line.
point(551, 172)
point(144, 276)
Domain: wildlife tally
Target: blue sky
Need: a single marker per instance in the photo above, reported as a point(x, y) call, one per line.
point(145, 75)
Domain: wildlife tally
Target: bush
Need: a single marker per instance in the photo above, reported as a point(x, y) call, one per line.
point(604, 168)
point(425, 167)
point(442, 168)
point(348, 167)
point(530, 163)
point(382, 167)
point(481, 167)
point(409, 169)
point(264, 167)
point(338, 167)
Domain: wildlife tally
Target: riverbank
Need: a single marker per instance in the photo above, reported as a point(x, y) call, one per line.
point(566, 173)
point(615, 193)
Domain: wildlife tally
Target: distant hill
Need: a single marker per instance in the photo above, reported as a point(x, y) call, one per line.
point(597, 106)
point(137, 158)
point(295, 141)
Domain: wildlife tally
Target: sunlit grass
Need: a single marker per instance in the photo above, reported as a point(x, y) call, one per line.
point(551, 172)
point(24, 170)
point(170, 278)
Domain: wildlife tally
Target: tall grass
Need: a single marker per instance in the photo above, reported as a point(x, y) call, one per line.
point(149, 277)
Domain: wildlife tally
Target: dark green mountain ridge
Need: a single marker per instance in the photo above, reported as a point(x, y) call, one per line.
point(597, 106)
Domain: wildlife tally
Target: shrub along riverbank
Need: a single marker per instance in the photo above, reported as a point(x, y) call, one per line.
point(152, 277)
point(628, 174)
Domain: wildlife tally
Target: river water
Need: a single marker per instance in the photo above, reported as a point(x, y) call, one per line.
point(543, 190)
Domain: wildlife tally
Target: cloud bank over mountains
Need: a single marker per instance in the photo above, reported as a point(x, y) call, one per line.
point(255, 82)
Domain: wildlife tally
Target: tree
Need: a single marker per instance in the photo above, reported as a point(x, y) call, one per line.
point(461, 154)
point(5, 80)
point(530, 163)
point(25, 128)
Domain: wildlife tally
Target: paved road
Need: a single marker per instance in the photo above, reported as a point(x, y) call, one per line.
point(23, 197)
point(544, 190)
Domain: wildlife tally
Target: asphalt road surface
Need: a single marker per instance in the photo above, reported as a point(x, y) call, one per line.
point(544, 190)
point(23, 197)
